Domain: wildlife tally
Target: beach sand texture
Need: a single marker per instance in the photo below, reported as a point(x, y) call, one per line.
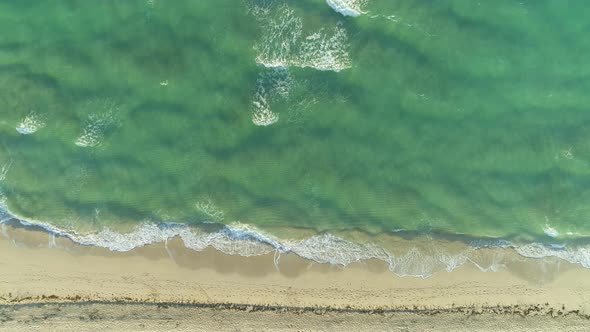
point(141, 288)
point(117, 317)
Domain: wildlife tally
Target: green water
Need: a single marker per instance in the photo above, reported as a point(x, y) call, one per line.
point(447, 116)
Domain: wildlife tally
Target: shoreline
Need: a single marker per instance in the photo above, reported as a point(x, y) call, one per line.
point(158, 272)
point(61, 280)
point(407, 254)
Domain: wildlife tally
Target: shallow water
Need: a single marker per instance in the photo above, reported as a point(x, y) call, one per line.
point(453, 117)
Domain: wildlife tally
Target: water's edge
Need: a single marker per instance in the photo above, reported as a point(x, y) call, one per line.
point(420, 259)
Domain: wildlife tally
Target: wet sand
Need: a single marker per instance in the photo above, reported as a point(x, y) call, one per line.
point(255, 294)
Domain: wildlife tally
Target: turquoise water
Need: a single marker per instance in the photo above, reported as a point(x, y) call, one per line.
point(439, 117)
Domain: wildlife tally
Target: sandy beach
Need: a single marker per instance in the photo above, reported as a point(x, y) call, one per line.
point(294, 165)
point(72, 280)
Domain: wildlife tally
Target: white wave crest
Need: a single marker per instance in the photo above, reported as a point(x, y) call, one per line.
point(3, 172)
point(283, 43)
point(413, 264)
point(326, 51)
point(30, 124)
point(550, 231)
point(280, 39)
point(347, 7)
point(94, 130)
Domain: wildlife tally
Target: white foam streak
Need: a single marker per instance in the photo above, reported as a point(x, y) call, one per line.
point(324, 51)
point(97, 124)
point(30, 124)
point(347, 7)
point(450, 261)
point(492, 263)
point(283, 43)
point(550, 231)
point(579, 256)
point(331, 249)
point(413, 264)
point(93, 131)
point(272, 84)
point(262, 115)
point(4, 170)
point(245, 240)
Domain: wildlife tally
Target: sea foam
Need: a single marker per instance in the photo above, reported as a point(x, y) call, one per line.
point(550, 231)
point(285, 44)
point(579, 255)
point(30, 124)
point(272, 84)
point(347, 7)
point(103, 117)
point(247, 240)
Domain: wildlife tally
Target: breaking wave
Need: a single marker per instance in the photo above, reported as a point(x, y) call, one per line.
point(579, 255)
point(285, 44)
point(347, 7)
point(272, 84)
point(240, 239)
point(30, 124)
point(102, 118)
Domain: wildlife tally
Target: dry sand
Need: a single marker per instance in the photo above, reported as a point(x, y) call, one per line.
point(233, 293)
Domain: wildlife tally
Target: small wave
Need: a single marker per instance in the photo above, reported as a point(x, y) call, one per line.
point(30, 124)
point(93, 131)
point(347, 7)
point(4, 170)
point(327, 248)
point(263, 116)
point(208, 208)
point(273, 83)
point(102, 118)
point(550, 231)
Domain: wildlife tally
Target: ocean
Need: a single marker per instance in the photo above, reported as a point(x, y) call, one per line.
point(332, 129)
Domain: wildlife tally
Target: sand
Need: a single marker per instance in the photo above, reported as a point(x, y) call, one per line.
point(118, 317)
point(47, 285)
